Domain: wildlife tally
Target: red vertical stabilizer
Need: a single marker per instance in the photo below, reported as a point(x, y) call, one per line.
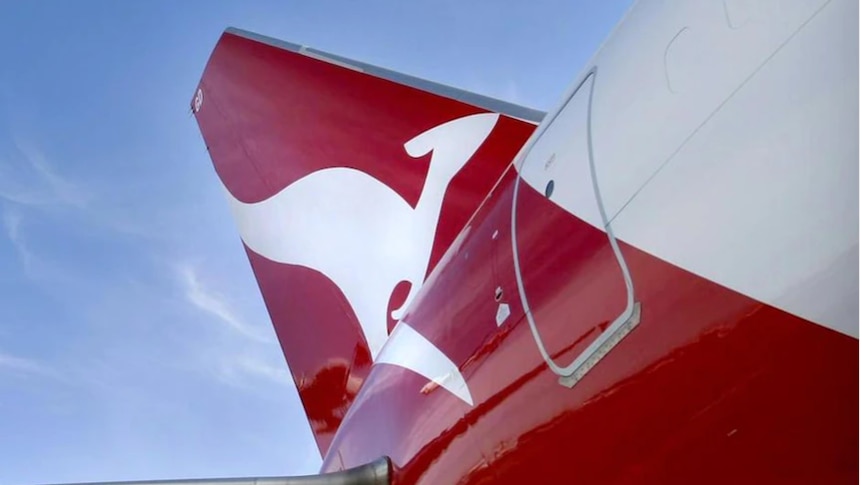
point(348, 183)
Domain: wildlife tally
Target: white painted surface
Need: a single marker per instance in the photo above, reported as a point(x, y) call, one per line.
point(666, 70)
point(725, 138)
point(407, 348)
point(764, 197)
point(503, 312)
point(561, 154)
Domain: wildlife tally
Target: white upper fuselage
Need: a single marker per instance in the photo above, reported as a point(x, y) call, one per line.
point(749, 174)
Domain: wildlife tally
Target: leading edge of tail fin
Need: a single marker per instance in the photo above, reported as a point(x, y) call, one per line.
point(348, 182)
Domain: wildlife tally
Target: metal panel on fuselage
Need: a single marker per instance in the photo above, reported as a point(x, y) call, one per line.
point(762, 196)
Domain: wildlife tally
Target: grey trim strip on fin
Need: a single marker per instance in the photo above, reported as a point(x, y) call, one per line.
point(373, 473)
point(491, 104)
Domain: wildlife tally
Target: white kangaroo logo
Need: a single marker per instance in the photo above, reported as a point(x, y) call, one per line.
point(359, 232)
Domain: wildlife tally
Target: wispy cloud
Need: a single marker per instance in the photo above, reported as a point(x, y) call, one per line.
point(35, 266)
point(265, 370)
point(237, 370)
point(239, 353)
point(29, 179)
point(216, 305)
point(12, 225)
point(21, 366)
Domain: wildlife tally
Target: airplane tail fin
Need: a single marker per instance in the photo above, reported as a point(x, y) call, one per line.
point(348, 182)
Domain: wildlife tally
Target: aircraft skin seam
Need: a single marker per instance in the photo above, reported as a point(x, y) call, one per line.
point(718, 108)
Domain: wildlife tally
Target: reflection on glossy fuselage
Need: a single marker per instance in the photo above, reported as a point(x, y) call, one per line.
point(698, 393)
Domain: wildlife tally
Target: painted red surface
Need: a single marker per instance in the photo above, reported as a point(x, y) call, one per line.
point(710, 387)
point(270, 117)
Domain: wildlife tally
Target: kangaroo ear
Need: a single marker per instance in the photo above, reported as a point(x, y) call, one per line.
point(396, 300)
point(463, 134)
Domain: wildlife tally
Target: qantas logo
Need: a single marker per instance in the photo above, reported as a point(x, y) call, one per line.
point(367, 239)
point(198, 101)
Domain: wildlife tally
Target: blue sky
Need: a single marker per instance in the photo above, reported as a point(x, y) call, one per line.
point(133, 341)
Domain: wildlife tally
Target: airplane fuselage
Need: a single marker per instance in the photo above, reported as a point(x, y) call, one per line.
point(663, 286)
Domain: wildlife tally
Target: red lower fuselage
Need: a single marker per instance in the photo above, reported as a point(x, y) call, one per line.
point(711, 387)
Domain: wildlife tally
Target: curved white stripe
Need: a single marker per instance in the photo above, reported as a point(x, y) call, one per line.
point(407, 348)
